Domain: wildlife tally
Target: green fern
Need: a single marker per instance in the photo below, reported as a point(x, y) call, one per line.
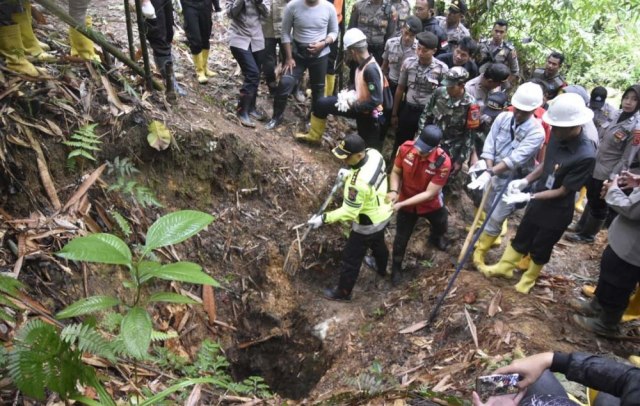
point(88, 339)
point(162, 336)
point(84, 143)
point(111, 322)
point(124, 171)
point(123, 224)
point(8, 286)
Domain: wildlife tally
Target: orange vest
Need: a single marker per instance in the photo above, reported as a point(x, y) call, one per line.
point(362, 91)
point(338, 5)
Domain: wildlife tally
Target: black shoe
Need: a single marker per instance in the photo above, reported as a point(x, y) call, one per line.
point(338, 294)
point(258, 114)
point(440, 243)
point(273, 123)
point(597, 326)
point(396, 275)
point(370, 261)
point(581, 238)
point(589, 308)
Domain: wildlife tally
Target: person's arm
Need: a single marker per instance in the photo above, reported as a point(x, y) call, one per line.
point(263, 7)
point(630, 152)
point(573, 180)
point(372, 76)
point(525, 151)
point(513, 62)
point(333, 28)
point(235, 7)
point(627, 206)
point(395, 182)
point(431, 192)
point(391, 25)
point(426, 116)
point(352, 202)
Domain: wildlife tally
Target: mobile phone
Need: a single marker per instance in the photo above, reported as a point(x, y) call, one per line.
point(497, 385)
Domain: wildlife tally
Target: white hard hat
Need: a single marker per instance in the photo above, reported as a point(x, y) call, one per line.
point(567, 110)
point(527, 97)
point(353, 36)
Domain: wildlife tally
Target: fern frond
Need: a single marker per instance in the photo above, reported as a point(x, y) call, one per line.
point(162, 336)
point(123, 224)
point(87, 339)
point(111, 322)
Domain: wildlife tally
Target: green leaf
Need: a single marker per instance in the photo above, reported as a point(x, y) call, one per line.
point(89, 305)
point(184, 272)
point(101, 247)
point(171, 298)
point(176, 227)
point(145, 268)
point(136, 332)
point(173, 388)
point(159, 136)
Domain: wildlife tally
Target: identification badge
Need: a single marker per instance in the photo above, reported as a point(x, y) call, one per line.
point(551, 179)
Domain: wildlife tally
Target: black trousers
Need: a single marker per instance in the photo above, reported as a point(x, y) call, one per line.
point(197, 23)
point(8, 7)
point(354, 253)
point(597, 206)
point(368, 126)
point(333, 57)
point(160, 29)
point(536, 241)
point(250, 64)
point(270, 60)
point(317, 71)
point(406, 222)
point(616, 282)
point(408, 120)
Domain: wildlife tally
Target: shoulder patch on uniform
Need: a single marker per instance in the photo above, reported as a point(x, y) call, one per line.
point(636, 137)
point(371, 86)
point(353, 193)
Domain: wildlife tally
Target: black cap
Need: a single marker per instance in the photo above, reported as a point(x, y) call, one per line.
point(496, 103)
point(458, 6)
point(352, 144)
point(427, 39)
point(429, 138)
point(598, 96)
point(413, 24)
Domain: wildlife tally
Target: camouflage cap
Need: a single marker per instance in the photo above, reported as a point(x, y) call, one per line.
point(454, 76)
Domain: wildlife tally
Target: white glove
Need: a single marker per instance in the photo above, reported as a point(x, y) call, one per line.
point(177, 6)
point(343, 172)
point(345, 100)
point(517, 197)
point(480, 183)
point(517, 186)
point(479, 166)
point(148, 11)
point(219, 16)
point(315, 221)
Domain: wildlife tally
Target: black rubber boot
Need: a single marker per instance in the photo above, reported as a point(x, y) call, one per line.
point(577, 226)
point(605, 325)
point(588, 233)
point(254, 112)
point(338, 294)
point(439, 242)
point(279, 105)
point(396, 273)
point(244, 105)
point(169, 83)
point(591, 308)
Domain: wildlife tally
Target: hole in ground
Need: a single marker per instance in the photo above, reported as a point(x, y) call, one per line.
point(291, 361)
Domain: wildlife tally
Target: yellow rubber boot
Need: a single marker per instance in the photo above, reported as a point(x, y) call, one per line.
point(82, 46)
point(528, 279)
point(482, 246)
point(329, 85)
point(483, 216)
point(591, 396)
point(523, 265)
point(579, 205)
point(315, 131)
point(13, 52)
point(29, 41)
point(635, 360)
point(633, 308)
point(197, 62)
point(505, 267)
point(205, 63)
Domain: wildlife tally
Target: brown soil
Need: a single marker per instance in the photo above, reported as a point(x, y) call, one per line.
point(261, 184)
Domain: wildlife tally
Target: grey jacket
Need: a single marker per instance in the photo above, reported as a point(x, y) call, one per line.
point(618, 146)
point(624, 232)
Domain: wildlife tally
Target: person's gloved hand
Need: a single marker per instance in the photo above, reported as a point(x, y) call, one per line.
point(148, 11)
point(343, 172)
point(345, 99)
point(315, 221)
point(517, 186)
point(517, 197)
point(479, 166)
point(481, 182)
point(219, 15)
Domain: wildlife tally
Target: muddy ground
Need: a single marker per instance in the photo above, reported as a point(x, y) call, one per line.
point(260, 185)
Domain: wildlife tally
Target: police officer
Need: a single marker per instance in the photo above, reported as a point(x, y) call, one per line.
point(366, 107)
point(550, 74)
point(452, 23)
point(403, 8)
point(398, 49)
point(488, 82)
point(424, 10)
point(602, 111)
point(377, 19)
point(509, 150)
point(420, 170)
point(567, 166)
point(498, 50)
point(365, 206)
point(455, 111)
point(420, 76)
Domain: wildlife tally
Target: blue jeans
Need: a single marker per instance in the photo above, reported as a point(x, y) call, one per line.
point(250, 64)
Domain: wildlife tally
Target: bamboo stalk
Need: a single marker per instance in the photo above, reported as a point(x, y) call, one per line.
point(142, 32)
point(127, 15)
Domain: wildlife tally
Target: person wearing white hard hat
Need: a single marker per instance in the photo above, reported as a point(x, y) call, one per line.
point(364, 104)
point(567, 166)
point(509, 151)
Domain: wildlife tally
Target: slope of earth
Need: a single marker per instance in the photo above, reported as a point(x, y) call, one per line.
point(270, 318)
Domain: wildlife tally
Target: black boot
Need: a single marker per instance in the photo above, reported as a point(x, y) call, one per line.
point(605, 324)
point(439, 242)
point(588, 233)
point(169, 83)
point(254, 112)
point(370, 261)
point(279, 105)
point(244, 105)
point(577, 226)
point(338, 294)
point(589, 308)
point(396, 273)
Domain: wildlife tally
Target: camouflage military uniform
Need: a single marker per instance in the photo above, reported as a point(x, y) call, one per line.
point(554, 84)
point(454, 118)
point(376, 21)
point(403, 8)
point(504, 53)
point(454, 34)
point(396, 54)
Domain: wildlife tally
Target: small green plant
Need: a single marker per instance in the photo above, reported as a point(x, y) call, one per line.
point(124, 172)
point(84, 143)
point(8, 287)
point(378, 312)
point(373, 381)
point(122, 223)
